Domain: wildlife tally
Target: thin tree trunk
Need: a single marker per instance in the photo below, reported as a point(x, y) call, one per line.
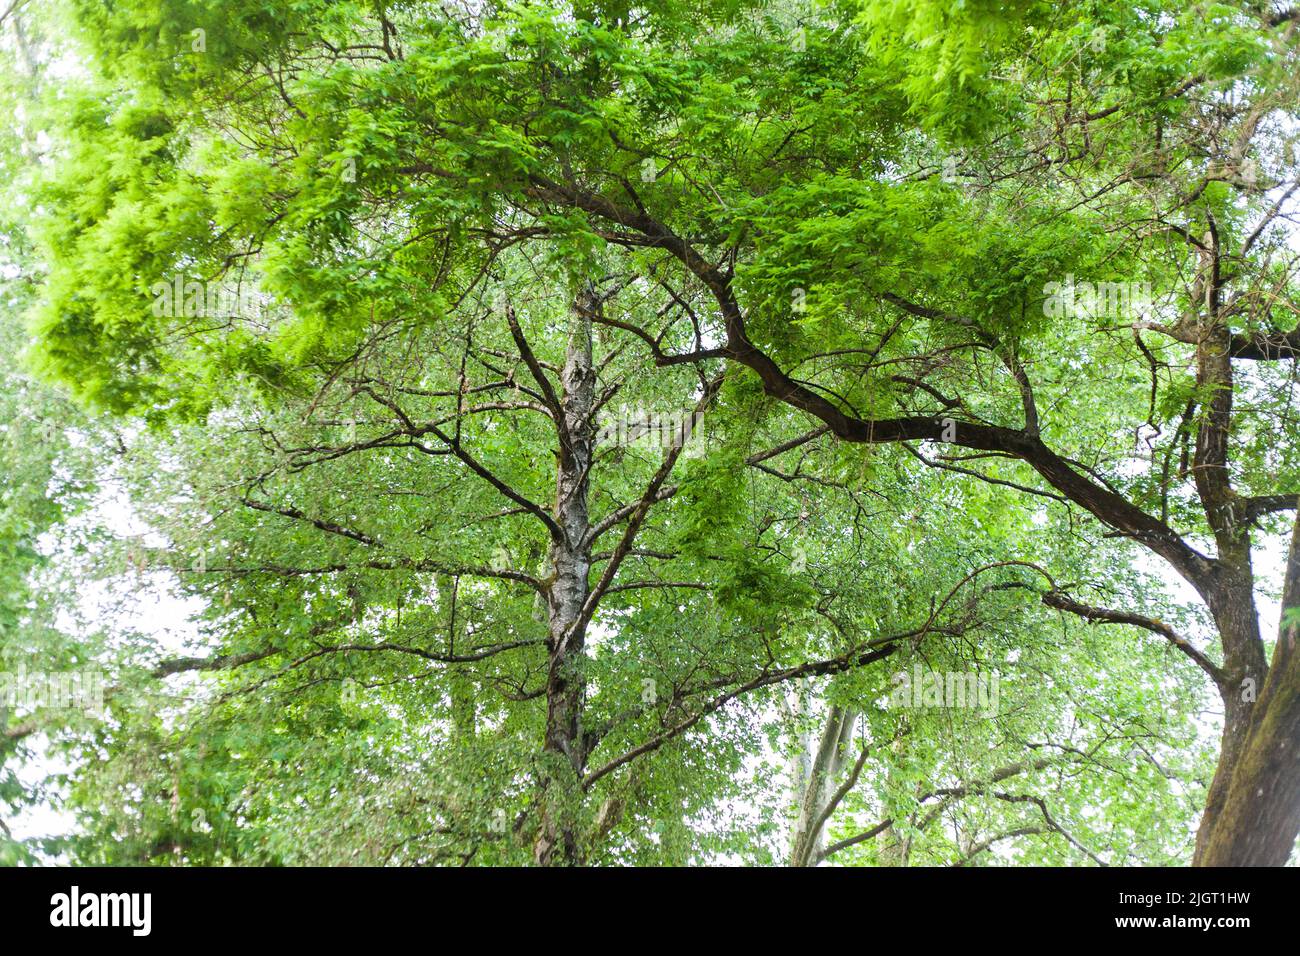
point(819, 784)
point(564, 750)
point(892, 849)
point(461, 686)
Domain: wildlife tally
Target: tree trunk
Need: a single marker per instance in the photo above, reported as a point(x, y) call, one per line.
point(1258, 816)
point(892, 849)
point(819, 785)
point(1252, 816)
point(1252, 811)
point(464, 711)
point(565, 750)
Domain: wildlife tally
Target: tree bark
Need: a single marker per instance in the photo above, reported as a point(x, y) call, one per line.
point(1252, 811)
point(818, 785)
point(565, 751)
point(1252, 816)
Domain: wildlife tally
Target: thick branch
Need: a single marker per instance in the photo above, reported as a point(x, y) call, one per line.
point(1105, 615)
point(1109, 507)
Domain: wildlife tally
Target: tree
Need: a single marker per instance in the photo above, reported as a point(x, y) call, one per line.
point(48, 479)
point(753, 204)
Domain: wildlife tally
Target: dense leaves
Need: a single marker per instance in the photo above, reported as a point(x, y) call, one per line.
point(401, 309)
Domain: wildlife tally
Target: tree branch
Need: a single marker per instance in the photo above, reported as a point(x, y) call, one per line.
point(1061, 602)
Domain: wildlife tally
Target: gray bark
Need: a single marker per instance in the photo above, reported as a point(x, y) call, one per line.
point(565, 751)
point(819, 786)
